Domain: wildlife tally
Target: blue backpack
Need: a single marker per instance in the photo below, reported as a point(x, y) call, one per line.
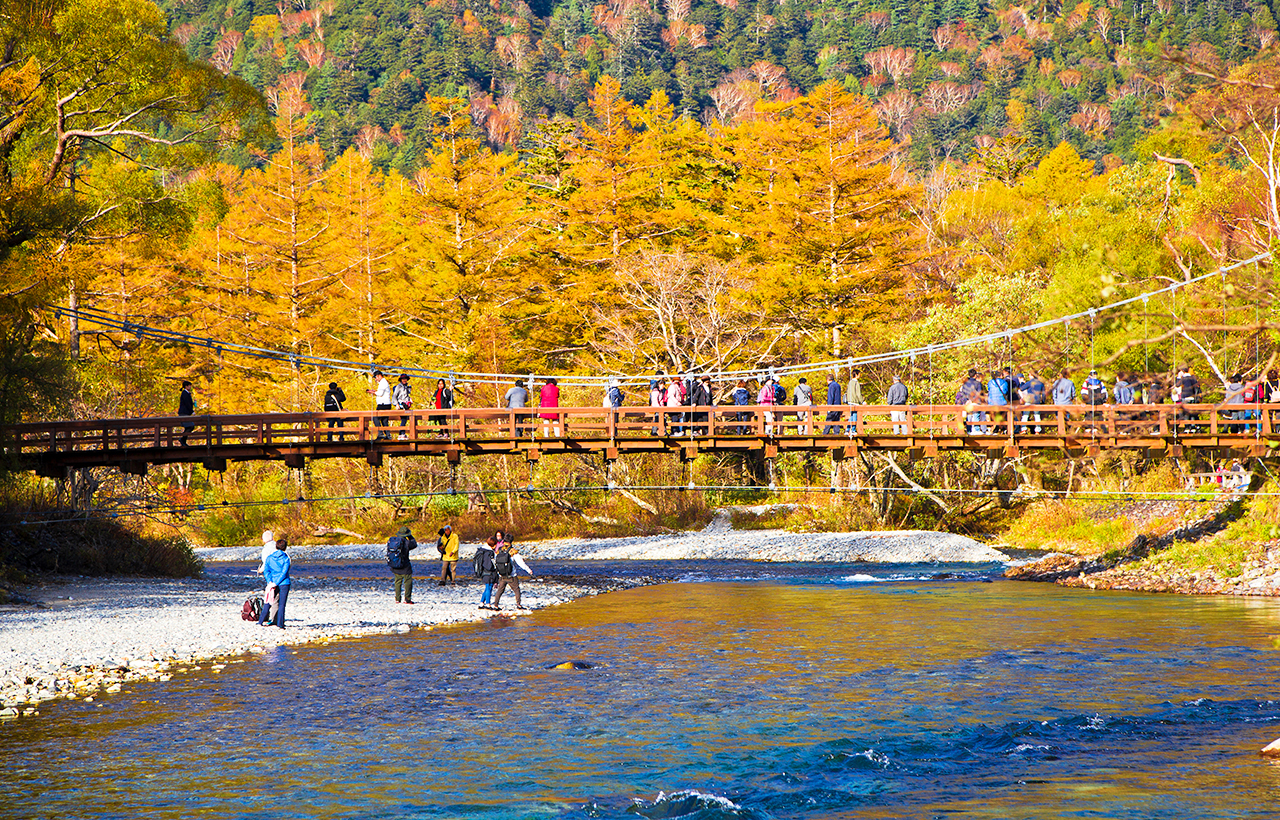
point(397, 555)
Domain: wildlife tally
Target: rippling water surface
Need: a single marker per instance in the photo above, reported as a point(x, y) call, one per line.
point(821, 695)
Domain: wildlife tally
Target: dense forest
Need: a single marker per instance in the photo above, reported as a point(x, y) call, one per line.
point(521, 191)
point(946, 76)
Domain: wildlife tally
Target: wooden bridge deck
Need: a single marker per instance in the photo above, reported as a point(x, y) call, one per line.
point(923, 430)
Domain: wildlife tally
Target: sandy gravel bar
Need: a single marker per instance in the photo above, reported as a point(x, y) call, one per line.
point(896, 547)
point(717, 542)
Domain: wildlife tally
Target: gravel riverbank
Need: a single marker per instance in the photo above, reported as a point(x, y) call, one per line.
point(76, 637)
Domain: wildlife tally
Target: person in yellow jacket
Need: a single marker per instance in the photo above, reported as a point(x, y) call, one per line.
point(448, 546)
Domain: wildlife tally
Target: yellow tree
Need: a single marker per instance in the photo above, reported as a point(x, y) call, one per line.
point(366, 240)
point(822, 208)
point(275, 276)
point(465, 233)
point(625, 193)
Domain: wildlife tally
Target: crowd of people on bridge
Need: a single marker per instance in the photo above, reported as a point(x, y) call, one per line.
point(994, 393)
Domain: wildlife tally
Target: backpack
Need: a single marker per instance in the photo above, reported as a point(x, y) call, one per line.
point(331, 402)
point(502, 563)
point(397, 558)
point(779, 394)
point(478, 563)
point(1093, 394)
point(1250, 394)
point(252, 609)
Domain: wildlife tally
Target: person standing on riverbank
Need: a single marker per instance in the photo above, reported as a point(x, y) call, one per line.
point(268, 547)
point(448, 545)
point(398, 547)
point(485, 569)
point(277, 575)
point(506, 560)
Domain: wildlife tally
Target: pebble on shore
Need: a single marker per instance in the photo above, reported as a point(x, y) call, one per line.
point(1272, 749)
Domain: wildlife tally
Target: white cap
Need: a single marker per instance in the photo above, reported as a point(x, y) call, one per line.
point(268, 536)
point(614, 383)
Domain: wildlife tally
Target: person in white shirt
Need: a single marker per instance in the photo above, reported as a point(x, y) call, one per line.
point(381, 401)
point(268, 547)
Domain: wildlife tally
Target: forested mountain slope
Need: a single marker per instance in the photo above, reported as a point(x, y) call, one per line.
point(945, 75)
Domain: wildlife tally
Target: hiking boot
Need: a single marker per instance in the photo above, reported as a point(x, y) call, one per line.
point(408, 602)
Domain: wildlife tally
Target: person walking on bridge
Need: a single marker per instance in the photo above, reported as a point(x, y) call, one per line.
point(853, 398)
point(897, 397)
point(1064, 394)
point(1032, 395)
point(186, 407)
point(766, 398)
point(741, 397)
point(675, 398)
point(517, 398)
point(834, 398)
point(549, 401)
point(333, 400)
point(998, 395)
point(402, 399)
point(970, 392)
point(381, 401)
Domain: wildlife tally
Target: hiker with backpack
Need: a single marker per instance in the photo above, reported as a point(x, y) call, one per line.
point(398, 547)
point(505, 562)
point(485, 569)
point(447, 544)
point(333, 399)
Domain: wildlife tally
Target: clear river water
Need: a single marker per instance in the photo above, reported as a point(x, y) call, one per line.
point(788, 692)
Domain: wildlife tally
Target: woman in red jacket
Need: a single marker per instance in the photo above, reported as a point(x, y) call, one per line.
point(549, 399)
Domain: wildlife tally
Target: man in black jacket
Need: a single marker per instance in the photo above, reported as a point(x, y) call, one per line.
point(398, 547)
point(186, 407)
point(333, 404)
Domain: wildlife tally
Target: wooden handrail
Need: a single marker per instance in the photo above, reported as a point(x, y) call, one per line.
point(978, 426)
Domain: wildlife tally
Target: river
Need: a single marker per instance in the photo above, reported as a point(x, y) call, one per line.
point(793, 691)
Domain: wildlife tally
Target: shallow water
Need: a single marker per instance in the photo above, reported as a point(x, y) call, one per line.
point(799, 698)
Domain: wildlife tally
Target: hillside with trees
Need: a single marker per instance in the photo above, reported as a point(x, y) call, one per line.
point(947, 77)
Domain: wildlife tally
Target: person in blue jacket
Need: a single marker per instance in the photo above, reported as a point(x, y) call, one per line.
point(276, 570)
point(999, 395)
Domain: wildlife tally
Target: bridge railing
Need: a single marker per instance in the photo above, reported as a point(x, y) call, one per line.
point(981, 422)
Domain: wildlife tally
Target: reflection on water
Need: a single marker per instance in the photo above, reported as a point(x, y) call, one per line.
point(747, 699)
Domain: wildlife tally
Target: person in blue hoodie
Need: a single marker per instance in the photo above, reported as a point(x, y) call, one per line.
point(999, 395)
point(276, 570)
point(741, 396)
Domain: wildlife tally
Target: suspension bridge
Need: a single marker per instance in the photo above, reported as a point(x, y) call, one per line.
point(133, 445)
